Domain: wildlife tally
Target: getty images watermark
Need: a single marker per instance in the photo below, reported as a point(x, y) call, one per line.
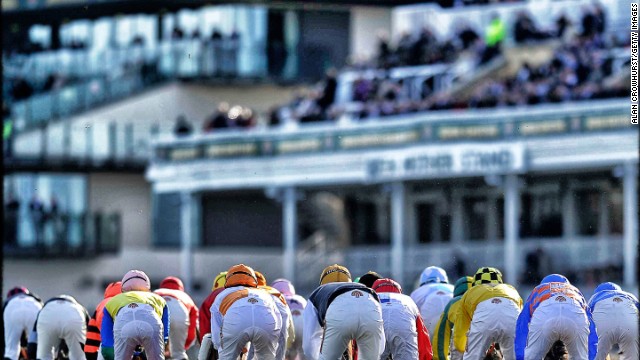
point(634, 63)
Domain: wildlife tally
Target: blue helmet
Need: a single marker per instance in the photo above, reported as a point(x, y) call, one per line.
point(554, 278)
point(433, 274)
point(607, 286)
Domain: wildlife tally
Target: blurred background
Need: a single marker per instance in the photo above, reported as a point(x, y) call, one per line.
point(182, 137)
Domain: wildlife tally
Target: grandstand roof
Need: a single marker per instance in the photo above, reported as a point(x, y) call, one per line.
point(82, 9)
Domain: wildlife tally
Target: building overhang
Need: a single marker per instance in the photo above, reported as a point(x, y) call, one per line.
point(549, 139)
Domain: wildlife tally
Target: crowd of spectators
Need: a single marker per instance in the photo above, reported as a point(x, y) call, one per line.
point(459, 3)
point(577, 71)
point(593, 22)
point(311, 104)
point(42, 217)
point(424, 47)
point(225, 117)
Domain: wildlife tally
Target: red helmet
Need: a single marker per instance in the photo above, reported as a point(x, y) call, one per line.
point(17, 290)
point(387, 285)
point(172, 282)
point(113, 289)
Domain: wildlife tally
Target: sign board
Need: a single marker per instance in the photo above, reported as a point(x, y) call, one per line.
point(460, 160)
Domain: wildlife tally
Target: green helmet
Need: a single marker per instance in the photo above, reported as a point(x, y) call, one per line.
point(462, 285)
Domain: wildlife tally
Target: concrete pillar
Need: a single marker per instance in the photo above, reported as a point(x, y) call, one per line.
point(568, 213)
point(511, 228)
point(630, 190)
point(290, 227)
point(457, 225)
point(603, 216)
point(397, 230)
point(55, 36)
point(492, 218)
point(186, 239)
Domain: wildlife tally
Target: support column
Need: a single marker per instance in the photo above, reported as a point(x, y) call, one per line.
point(186, 239)
point(290, 227)
point(492, 218)
point(55, 42)
point(457, 225)
point(568, 212)
point(511, 228)
point(603, 216)
point(630, 191)
point(397, 230)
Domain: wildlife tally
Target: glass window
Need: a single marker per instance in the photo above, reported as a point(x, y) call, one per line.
point(500, 218)
point(40, 34)
point(587, 210)
point(475, 224)
point(615, 207)
point(364, 217)
point(541, 214)
point(37, 206)
point(425, 222)
point(166, 219)
point(102, 33)
point(432, 223)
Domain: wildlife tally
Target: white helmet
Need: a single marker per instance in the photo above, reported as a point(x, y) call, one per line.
point(433, 274)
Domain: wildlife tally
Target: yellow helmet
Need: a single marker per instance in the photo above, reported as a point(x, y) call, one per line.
point(487, 275)
point(219, 281)
point(241, 275)
point(335, 273)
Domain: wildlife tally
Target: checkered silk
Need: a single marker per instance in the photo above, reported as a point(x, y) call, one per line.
point(487, 275)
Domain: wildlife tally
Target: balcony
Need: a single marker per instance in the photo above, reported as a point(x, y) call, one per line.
point(78, 236)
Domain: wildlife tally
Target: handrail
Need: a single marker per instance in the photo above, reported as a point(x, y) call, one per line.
point(61, 235)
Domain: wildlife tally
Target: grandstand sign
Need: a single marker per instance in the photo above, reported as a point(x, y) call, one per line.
point(453, 161)
point(397, 134)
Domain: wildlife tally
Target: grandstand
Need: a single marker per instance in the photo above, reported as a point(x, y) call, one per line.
point(182, 138)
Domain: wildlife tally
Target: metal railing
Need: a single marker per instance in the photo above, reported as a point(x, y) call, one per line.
point(543, 13)
point(63, 235)
point(113, 74)
point(42, 108)
point(573, 255)
point(421, 128)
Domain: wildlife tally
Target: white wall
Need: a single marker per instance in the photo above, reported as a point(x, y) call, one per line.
point(127, 194)
point(157, 106)
point(366, 22)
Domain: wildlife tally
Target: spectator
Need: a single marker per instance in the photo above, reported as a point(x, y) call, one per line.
point(219, 120)
point(384, 50)
point(526, 30)
point(21, 89)
point(329, 90)
point(55, 220)
point(37, 213)
point(11, 212)
point(601, 20)
point(182, 126)
point(177, 33)
point(214, 52)
point(494, 35)
point(232, 47)
point(593, 20)
point(562, 23)
point(466, 35)
point(245, 119)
